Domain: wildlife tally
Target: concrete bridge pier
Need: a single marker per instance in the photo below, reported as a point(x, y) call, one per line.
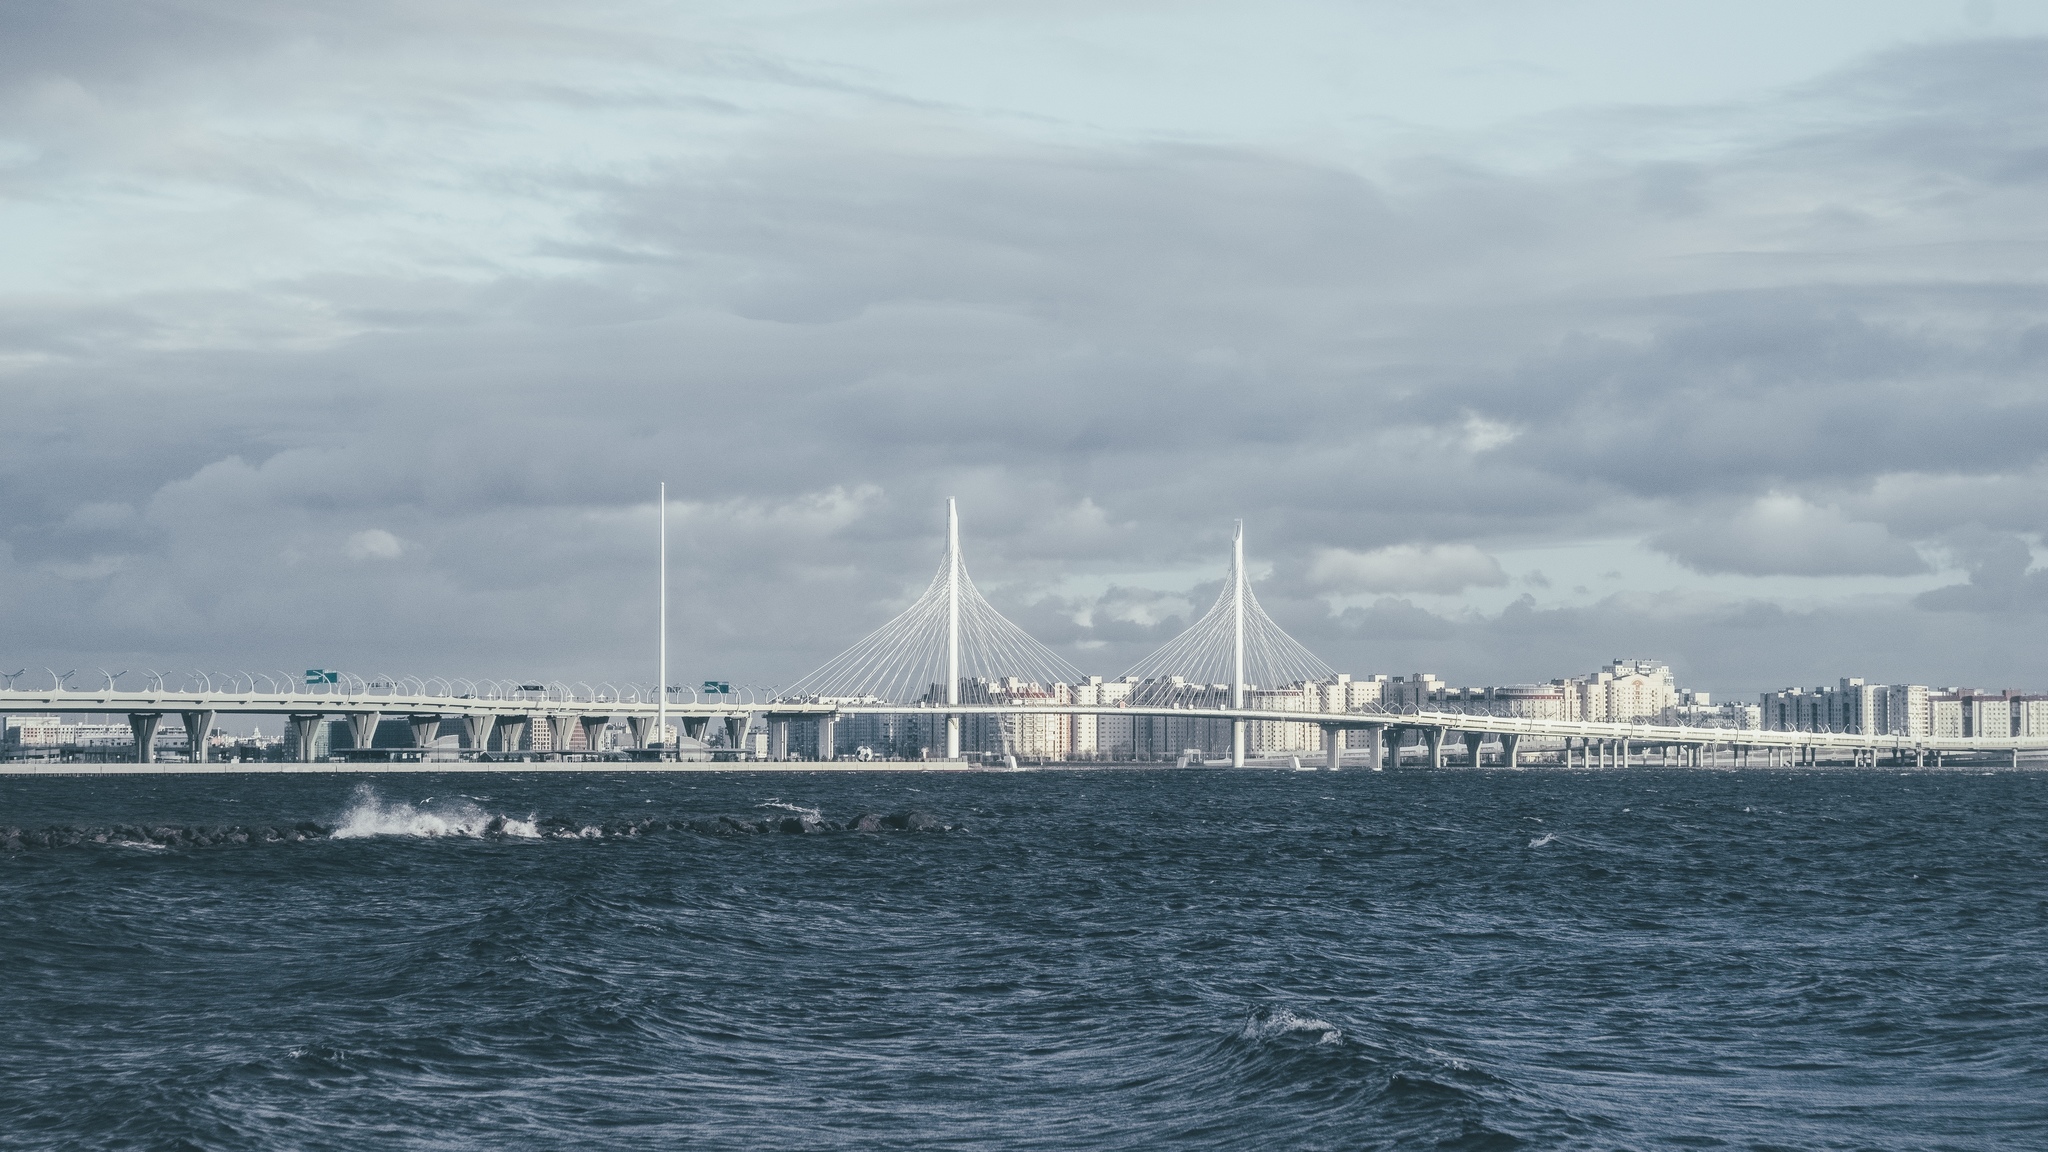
point(828, 736)
point(694, 726)
point(778, 737)
point(304, 731)
point(1435, 738)
point(736, 731)
point(425, 729)
point(511, 733)
point(478, 730)
point(1472, 742)
point(1333, 747)
point(640, 726)
point(1510, 749)
point(561, 727)
point(593, 731)
point(143, 725)
point(1377, 755)
point(362, 728)
point(197, 725)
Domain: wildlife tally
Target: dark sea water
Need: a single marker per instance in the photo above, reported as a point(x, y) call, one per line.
point(1120, 959)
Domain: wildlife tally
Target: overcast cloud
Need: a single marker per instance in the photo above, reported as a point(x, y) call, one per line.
point(1522, 337)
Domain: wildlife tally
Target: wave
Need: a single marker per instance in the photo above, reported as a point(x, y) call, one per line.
point(1273, 1023)
point(370, 817)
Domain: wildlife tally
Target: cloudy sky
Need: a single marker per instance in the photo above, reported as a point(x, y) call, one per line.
point(1523, 335)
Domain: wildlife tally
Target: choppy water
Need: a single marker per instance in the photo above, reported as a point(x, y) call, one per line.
point(1192, 959)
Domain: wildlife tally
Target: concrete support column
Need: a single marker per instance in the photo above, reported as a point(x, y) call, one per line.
point(143, 725)
point(2015, 757)
point(640, 726)
point(1333, 747)
point(1510, 748)
point(1919, 757)
point(593, 730)
point(511, 733)
point(561, 725)
point(828, 736)
point(736, 731)
point(1435, 737)
point(694, 726)
point(425, 729)
point(1624, 752)
point(952, 737)
point(1377, 756)
point(778, 738)
point(1237, 735)
point(362, 728)
point(197, 725)
point(1472, 742)
point(478, 729)
point(304, 731)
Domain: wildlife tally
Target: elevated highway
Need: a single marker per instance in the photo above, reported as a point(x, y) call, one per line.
point(481, 716)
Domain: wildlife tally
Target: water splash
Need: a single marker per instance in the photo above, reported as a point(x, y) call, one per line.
point(370, 816)
point(1275, 1023)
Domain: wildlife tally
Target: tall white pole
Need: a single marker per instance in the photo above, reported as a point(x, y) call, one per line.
point(661, 642)
point(952, 625)
point(1237, 732)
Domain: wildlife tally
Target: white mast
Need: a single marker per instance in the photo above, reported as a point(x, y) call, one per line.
point(661, 640)
point(952, 625)
point(1237, 644)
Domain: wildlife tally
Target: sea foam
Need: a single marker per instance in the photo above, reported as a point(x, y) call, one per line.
point(370, 816)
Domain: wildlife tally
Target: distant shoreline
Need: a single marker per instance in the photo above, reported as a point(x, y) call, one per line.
point(343, 768)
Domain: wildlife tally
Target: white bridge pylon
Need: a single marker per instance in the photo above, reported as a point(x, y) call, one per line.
point(1234, 643)
point(919, 657)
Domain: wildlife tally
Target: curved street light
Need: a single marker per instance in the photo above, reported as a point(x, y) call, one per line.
point(112, 677)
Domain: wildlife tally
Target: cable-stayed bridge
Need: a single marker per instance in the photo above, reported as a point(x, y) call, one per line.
point(950, 662)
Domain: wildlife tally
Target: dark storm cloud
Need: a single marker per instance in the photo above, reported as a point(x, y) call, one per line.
point(1106, 350)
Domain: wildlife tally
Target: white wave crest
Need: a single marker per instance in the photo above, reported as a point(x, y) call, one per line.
point(1546, 838)
point(806, 813)
point(1281, 1022)
point(370, 816)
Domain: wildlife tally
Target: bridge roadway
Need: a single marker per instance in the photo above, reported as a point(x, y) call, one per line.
point(1593, 743)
